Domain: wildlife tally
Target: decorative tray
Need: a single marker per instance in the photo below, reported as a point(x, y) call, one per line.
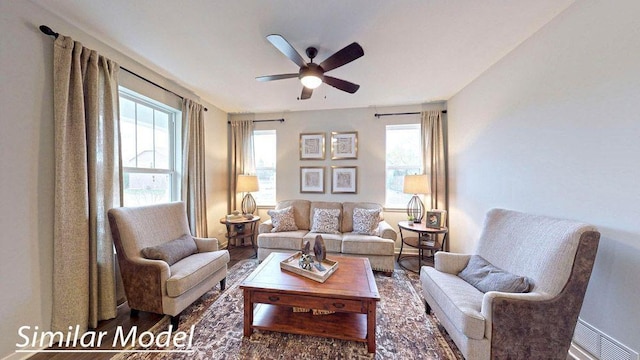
point(291, 264)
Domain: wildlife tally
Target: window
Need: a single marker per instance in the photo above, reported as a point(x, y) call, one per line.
point(148, 143)
point(264, 144)
point(403, 156)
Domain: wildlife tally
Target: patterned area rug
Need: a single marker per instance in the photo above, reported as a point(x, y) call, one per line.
point(403, 330)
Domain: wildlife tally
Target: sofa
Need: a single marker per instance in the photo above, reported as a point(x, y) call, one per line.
point(553, 257)
point(164, 269)
point(377, 245)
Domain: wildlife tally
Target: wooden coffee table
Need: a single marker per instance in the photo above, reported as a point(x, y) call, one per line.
point(270, 293)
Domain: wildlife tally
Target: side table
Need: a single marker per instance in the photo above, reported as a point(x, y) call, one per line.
point(241, 229)
point(426, 239)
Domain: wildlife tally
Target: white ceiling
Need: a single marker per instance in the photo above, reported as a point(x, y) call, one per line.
point(416, 51)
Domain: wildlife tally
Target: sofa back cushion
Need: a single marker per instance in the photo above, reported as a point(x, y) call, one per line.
point(347, 213)
point(301, 212)
point(147, 226)
point(325, 205)
point(539, 247)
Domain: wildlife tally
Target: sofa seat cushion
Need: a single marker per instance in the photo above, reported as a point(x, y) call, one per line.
point(192, 270)
point(366, 245)
point(282, 240)
point(460, 301)
point(332, 242)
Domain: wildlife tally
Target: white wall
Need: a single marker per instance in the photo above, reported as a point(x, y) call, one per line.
point(27, 160)
point(553, 128)
point(371, 150)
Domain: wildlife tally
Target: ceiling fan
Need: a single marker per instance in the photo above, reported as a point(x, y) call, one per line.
point(311, 75)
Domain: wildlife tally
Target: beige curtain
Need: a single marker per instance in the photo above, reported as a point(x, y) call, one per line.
point(434, 155)
point(87, 183)
point(194, 192)
point(241, 157)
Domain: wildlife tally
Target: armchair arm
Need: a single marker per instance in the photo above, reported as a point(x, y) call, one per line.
point(265, 227)
point(492, 297)
point(143, 281)
point(387, 231)
point(206, 244)
point(450, 263)
point(543, 324)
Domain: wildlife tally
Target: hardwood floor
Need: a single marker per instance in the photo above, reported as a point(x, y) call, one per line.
point(144, 321)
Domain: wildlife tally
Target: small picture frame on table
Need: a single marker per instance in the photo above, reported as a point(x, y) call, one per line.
point(312, 146)
point(435, 218)
point(312, 179)
point(344, 179)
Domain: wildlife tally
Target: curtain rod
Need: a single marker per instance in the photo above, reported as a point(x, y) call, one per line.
point(47, 30)
point(402, 113)
point(267, 120)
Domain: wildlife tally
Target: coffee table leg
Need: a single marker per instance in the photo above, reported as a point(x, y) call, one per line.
point(248, 312)
point(371, 327)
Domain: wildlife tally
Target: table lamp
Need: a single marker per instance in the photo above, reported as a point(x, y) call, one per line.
point(415, 184)
point(247, 184)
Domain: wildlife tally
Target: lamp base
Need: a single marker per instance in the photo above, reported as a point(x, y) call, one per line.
point(248, 204)
point(415, 209)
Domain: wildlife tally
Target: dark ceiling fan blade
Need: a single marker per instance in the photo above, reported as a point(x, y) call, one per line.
point(342, 57)
point(306, 93)
point(276, 77)
point(283, 45)
point(341, 84)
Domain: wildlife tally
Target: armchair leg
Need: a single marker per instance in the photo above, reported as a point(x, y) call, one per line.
point(175, 321)
point(223, 284)
point(134, 313)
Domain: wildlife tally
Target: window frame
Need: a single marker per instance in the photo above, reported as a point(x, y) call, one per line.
point(175, 141)
point(274, 133)
point(408, 169)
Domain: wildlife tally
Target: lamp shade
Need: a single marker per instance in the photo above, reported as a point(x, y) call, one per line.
point(415, 184)
point(247, 183)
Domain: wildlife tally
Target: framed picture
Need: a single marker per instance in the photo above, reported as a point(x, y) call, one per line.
point(344, 179)
point(344, 145)
point(312, 146)
point(312, 179)
point(435, 218)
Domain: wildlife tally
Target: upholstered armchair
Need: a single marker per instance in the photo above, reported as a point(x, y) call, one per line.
point(164, 269)
point(555, 256)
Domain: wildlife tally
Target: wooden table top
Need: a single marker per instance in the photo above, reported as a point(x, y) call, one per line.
point(239, 221)
point(421, 227)
point(353, 279)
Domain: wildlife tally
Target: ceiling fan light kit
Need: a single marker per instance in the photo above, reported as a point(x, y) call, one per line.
point(311, 75)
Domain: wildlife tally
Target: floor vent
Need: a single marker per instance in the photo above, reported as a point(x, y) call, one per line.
point(591, 343)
